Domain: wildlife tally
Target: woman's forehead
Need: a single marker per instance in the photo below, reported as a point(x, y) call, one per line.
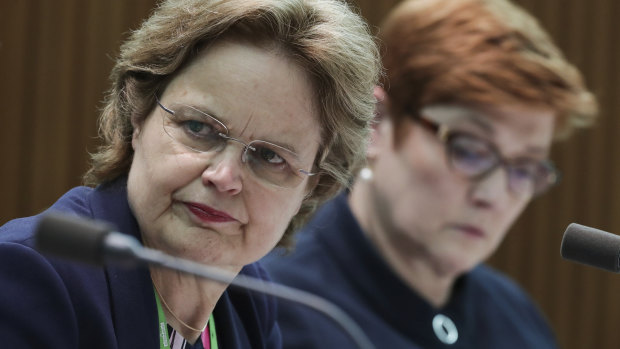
point(450, 113)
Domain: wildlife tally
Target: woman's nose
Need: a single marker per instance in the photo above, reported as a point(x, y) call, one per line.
point(488, 190)
point(224, 170)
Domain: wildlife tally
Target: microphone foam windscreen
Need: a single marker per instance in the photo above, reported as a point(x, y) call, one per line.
point(591, 246)
point(71, 237)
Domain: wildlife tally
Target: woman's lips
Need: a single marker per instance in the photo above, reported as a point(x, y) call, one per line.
point(208, 214)
point(471, 230)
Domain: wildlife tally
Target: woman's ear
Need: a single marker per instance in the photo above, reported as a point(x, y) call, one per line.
point(313, 181)
point(136, 132)
point(381, 116)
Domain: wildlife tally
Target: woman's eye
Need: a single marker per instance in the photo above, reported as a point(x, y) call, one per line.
point(472, 154)
point(524, 172)
point(197, 128)
point(465, 152)
point(270, 156)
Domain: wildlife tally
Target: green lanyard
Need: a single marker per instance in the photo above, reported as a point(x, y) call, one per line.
point(164, 339)
point(212, 335)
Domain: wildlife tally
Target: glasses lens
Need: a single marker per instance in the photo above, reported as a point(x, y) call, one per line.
point(473, 157)
point(523, 177)
point(272, 163)
point(194, 128)
point(531, 177)
point(470, 156)
point(547, 176)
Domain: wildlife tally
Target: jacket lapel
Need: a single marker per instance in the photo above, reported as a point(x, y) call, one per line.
point(132, 301)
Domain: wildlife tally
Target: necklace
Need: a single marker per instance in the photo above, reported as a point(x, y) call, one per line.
point(175, 315)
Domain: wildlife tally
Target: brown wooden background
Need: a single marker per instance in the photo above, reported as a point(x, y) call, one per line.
point(54, 61)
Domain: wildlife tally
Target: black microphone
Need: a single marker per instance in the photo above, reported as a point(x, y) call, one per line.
point(95, 242)
point(592, 247)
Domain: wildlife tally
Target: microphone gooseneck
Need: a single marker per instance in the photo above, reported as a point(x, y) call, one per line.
point(591, 247)
point(97, 243)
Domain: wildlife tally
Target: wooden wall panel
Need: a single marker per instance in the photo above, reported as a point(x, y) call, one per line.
point(55, 57)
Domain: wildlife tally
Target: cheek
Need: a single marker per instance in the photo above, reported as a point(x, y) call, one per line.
point(156, 173)
point(515, 209)
point(426, 193)
point(271, 215)
point(148, 193)
point(433, 184)
point(425, 158)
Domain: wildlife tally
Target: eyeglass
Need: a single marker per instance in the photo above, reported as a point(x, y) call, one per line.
point(475, 158)
point(202, 133)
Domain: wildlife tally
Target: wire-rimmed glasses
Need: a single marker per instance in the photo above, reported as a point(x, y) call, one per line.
point(475, 158)
point(201, 132)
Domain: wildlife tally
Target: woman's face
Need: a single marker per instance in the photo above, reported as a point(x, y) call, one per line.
point(210, 206)
point(433, 213)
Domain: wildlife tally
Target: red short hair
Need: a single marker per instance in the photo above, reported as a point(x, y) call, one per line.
point(478, 52)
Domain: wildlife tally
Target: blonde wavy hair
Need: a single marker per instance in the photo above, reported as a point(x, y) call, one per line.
point(326, 37)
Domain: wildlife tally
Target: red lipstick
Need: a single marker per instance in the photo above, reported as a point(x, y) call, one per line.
point(208, 214)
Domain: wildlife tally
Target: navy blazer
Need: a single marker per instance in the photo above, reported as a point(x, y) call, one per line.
point(334, 259)
point(46, 302)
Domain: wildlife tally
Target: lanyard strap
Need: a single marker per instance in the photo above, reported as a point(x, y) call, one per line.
point(211, 340)
point(164, 339)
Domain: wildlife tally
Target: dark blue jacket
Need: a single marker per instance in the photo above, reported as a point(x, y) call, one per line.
point(334, 259)
point(51, 303)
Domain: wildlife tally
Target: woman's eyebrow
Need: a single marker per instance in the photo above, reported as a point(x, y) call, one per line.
point(479, 120)
point(457, 114)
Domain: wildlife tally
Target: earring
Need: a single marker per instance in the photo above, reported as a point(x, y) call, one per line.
point(366, 174)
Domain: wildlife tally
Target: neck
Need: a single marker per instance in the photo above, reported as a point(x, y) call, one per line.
point(187, 301)
point(407, 260)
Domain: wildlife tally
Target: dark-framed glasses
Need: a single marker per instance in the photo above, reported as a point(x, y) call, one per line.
point(475, 158)
point(201, 132)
